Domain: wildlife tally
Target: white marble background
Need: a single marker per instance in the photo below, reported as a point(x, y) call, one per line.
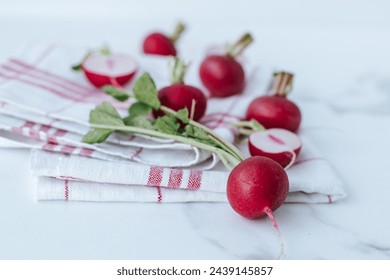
point(339, 51)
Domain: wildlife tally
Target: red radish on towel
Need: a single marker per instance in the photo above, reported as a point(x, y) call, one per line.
point(256, 187)
point(223, 75)
point(102, 68)
point(179, 95)
point(114, 69)
point(161, 44)
point(276, 111)
point(281, 145)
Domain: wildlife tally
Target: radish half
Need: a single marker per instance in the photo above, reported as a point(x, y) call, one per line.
point(116, 69)
point(281, 145)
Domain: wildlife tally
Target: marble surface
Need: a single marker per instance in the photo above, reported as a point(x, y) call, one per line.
point(343, 66)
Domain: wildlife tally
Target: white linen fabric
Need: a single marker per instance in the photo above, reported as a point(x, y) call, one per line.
point(45, 106)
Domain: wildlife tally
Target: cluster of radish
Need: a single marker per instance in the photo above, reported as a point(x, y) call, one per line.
point(258, 185)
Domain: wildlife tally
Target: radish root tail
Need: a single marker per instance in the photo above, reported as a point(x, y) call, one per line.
point(271, 216)
point(115, 83)
point(294, 157)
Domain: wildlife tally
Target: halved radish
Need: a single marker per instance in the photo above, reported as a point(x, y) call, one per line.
point(281, 145)
point(115, 69)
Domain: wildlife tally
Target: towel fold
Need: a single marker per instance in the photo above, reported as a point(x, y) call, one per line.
point(312, 180)
point(45, 106)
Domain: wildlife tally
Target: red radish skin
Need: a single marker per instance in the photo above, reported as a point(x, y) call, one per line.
point(160, 44)
point(179, 96)
point(223, 75)
point(256, 187)
point(255, 184)
point(102, 70)
point(281, 145)
point(276, 111)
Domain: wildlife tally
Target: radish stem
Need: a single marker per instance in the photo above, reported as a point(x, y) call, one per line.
point(229, 160)
point(179, 29)
point(271, 216)
point(237, 48)
point(231, 148)
point(282, 83)
point(178, 71)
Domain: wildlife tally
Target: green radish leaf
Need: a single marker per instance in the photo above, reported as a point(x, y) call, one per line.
point(139, 109)
point(105, 114)
point(77, 67)
point(118, 94)
point(167, 124)
point(183, 115)
point(145, 91)
point(138, 121)
point(97, 135)
point(200, 135)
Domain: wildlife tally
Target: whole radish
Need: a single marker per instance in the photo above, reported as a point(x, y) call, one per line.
point(223, 75)
point(281, 145)
point(276, 111)
point(256, 187)
point(179, 95)
point(113, 69)
point(161, 44)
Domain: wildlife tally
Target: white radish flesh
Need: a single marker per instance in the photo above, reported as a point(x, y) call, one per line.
point(115, 69)
point(281, 145)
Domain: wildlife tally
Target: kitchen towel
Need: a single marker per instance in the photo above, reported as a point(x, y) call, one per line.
point(71, 177)
point(45, 105)
point(41, 98)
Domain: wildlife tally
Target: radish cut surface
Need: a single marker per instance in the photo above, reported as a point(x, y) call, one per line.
point(103, 70)
point(281, 145)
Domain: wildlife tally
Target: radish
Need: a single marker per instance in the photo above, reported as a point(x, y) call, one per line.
point(256, 187)
point(276, 111)
point(223, 75)
point(281, 145)
point(115, 69)
point(179, 95)
point(160, 44)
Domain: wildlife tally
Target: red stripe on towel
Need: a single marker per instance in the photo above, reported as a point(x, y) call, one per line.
point(49, 147)
point(64, 84)
point(45, 128)
point(155, 176)
point(159, 194)
point(86, 152)
point(175, 178)
point(68, 149)
point(53, 138)
point(136, 154)
point(195, 179)
point(49, 74)
point(66, 190)
point(20, 128)
point(37, 61)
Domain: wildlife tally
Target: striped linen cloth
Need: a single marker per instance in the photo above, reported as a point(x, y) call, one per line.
point(45, 106)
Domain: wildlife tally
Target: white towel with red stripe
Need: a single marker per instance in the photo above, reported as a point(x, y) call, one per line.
point(72, 177)
point(41, 98)
point(44, 105)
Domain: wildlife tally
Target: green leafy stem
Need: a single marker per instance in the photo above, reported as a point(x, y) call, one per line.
point(175, 125)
